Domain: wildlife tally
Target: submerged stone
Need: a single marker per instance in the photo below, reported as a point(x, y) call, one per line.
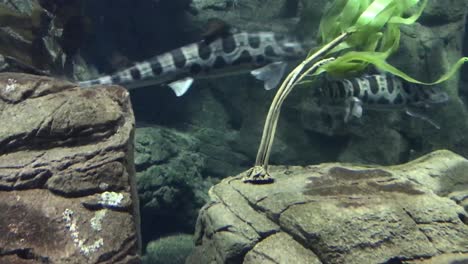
point(340, 213)
point(67, 180)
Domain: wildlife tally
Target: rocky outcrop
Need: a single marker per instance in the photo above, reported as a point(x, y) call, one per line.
point(67, 180)
point(275, 15)
point(45, 37)
point(337, 213)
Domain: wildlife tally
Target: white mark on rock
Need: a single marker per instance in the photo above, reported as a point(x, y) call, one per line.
point(11, 85)
point(71, 224)
point(111, 198)
point(96, 221)
point(103, 186)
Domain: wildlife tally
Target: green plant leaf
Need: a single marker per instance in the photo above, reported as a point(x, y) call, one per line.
point(351, 62)
point(377, 28)
point(377, 25)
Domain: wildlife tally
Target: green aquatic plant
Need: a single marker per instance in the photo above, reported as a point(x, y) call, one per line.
point(259, 173)
point(173, 249)
point(357, 32)
point(377, 35)
point(377, 30)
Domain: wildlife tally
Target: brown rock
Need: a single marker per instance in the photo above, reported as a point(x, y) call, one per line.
point(67, 177)
point(337, 213)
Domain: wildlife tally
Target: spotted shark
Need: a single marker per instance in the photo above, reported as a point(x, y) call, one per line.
point(263, 54)
point(381, 92)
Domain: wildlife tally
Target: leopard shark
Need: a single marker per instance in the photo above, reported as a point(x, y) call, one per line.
point(381, 91)
point(263, 54)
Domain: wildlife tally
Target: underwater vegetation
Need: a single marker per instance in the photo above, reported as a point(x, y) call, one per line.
point(376, 36)
point(172, 249)
point(371, 28)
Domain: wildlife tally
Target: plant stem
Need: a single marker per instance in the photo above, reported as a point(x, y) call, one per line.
point(259, 173)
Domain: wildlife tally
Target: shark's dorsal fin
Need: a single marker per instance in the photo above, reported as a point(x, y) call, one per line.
point(271, 74)
point(180, 87)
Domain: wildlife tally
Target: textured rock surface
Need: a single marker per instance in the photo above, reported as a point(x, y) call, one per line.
point(67, 180)
point(20, 21)
point(276, 15)
point(40, 36)
point(336, 213)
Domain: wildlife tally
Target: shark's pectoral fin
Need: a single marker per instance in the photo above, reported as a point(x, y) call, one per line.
point(353, 108)
point(181, 86)
point(270, 74)
point(416, 114)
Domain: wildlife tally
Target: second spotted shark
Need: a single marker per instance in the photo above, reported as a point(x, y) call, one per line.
point(263, 54)
point(381, 92)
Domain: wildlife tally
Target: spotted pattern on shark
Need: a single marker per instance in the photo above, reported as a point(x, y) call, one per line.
point(231, 54)
point(383, 89)
point(381, 92)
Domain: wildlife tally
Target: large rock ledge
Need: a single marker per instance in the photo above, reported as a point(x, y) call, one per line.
point(339, 213)
point(67, 190)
